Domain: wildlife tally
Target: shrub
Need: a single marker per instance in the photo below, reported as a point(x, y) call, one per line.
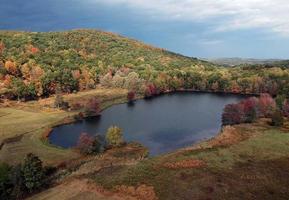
point(280, 100)
point(277, 118)
point(84, 144)
point(114, 136)
point(17, 179)
point(150, 90)
point(89, 145)
point(233, 114)
point(33, 173)
point(92, 108)
point(6, 185)
point(130, 96)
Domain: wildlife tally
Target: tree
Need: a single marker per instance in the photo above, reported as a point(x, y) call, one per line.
point(2, 47)
point(90, 145)
point(277, 118)
point(132, 81)
point(92, 107)
point(280, 100)
point(118, 81)
point(18, 88)
point(84, 144)
point(130, 96)
point(17, 179)
point(285, 108)
point(250, 109)
point(114, 136)
point(106, 80)
point(11, 67)
point(59, 101)
point(233, 114)
point(266, 105)
point(150, 90)
point(6, 185)
point(33, 173)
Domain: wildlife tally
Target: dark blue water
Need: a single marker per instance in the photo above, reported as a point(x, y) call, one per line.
point(162, 124)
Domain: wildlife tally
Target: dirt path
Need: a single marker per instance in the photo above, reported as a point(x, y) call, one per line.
point(78, 189)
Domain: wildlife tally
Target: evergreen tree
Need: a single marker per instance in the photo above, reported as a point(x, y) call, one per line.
point(33, 173)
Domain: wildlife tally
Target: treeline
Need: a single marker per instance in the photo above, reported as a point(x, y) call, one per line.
point(33, 65)
point(250, 109)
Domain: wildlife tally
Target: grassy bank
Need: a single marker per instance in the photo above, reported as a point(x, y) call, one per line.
point(252, 164)
point(22, 125)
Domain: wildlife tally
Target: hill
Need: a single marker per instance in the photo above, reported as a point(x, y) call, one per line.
point(54, 55)
point(241, 61)
point(34, 65)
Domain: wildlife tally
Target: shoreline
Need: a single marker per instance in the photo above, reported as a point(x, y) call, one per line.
point(73, 119)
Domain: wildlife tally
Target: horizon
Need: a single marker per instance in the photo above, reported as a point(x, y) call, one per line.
point(203, 29)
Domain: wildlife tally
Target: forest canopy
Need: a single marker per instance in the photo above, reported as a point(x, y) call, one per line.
point(34, 64)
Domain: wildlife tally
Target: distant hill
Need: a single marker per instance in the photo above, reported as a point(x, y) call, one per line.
point(86, 47)
point(241, 61)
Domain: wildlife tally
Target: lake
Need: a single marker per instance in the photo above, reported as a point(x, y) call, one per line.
point(163, 124)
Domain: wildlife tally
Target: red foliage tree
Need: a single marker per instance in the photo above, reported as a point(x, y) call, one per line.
point(266, 105)
point(233, 114)
point(92, 107)
point(130, 96)
point(85, 143)
point(150, 90)
point(34, 50)
point(250, 109)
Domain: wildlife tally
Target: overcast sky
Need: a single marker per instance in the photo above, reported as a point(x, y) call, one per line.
point(198, 28)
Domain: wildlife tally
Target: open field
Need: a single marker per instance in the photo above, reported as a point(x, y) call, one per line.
point(246, 161)
point(22, 125)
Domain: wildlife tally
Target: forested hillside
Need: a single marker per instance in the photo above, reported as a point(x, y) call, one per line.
point(33, 65)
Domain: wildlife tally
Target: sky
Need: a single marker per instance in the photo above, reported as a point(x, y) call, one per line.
point(196, 28)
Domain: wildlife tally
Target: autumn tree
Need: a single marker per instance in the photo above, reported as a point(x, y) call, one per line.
point(132, 81)
point(106, 80)
point(130, 96)
point(11, 67)
point(118, 81)
point(84, 143)
point(233, 114)
point(150, 90)
point(266, 105)
point(92, 107)
point(250, 109)
point(114, 136)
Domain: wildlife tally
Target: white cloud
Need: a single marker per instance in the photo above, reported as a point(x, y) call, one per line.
point(224, 14)
point(208, 42)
